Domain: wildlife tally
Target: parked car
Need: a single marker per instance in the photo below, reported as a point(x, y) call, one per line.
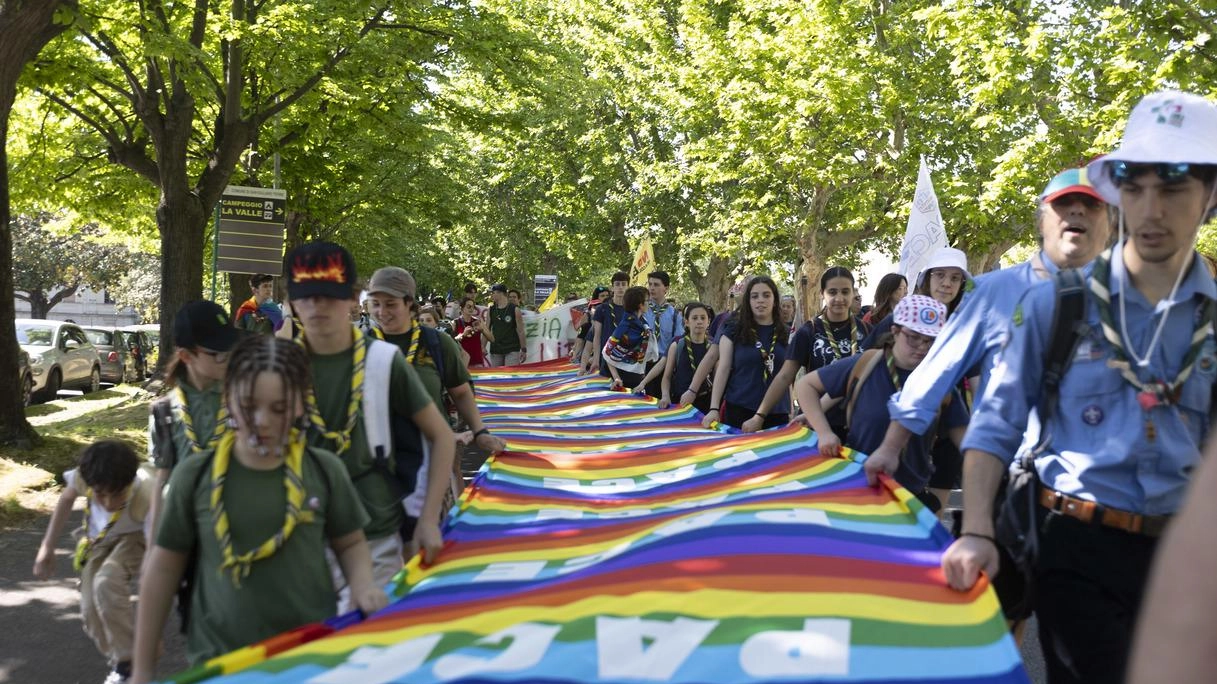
point(60, 357)
point(120, 355)
point(146, 337)
point(27, 377)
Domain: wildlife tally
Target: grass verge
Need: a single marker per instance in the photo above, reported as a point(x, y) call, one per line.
point(30, 479)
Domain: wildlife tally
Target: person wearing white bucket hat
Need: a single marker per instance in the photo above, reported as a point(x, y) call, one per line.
point(1133, 406)
point(866, 381)
point(945, 278)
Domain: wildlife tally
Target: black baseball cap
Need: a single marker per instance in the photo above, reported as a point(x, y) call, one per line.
point(499, 287)
point(204, 324)
point(320, 269)
point(597, 292)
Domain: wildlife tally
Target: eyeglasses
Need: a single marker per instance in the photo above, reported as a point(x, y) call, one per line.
point(1169, 173)
point(917, 341)
point(218, 357)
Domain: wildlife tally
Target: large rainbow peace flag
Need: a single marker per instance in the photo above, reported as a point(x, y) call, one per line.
point(617, 542)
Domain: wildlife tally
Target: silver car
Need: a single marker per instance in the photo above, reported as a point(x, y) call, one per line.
point(60, 357)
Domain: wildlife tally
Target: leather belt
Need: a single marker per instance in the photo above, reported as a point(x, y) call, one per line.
point(1091, 512)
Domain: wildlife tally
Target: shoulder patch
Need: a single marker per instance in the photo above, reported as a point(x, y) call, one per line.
point(1018, 314)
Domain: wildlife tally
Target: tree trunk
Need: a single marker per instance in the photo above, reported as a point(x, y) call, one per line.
point(182, 221)
point(237, 292)
point(26, 26)
point(39, 307)
point(713, 285)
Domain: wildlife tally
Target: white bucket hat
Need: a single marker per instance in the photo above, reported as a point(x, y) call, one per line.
point(921, 314)
point(1168, 127)
point(945, 257)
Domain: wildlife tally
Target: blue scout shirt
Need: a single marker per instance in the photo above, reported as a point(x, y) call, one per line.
point(1099, 449)
point(971, 339)
point(870, 419)
point(682, 374)
point(747, 384)
point(668, 325)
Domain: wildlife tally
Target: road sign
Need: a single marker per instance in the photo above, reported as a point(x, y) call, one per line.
point(251, 230)
point(542, 287)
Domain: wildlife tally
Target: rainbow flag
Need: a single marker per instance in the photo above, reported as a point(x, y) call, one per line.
point(616, 542)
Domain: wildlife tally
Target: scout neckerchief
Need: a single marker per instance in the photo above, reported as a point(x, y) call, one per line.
point(342, 437)
point(293, 482)
point(221, 423)
point(85, 545)
point(766, 354)
point(832, 338)
point(891, 368)
point(657, 313)
point(414, 336)
point(1155, 392)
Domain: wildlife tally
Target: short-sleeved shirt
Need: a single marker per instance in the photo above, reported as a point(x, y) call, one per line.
point(609, 315)
point(818, 343)
point(455, 372)
point(687, 355)
point(290, 588)
point(870, 419)
point(203, 406)
point(751, 373)
point(133, 516)
point(503, 325)
point(407, 396)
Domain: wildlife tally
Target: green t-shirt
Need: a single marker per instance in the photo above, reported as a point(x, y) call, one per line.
point(288, 589)
point(455, 372)
point(407, 396)
point(202, 406)
point(503, 324)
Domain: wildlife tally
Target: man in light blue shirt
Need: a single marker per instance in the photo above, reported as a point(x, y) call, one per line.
point(664, 320)
point(1133, 406)
point(1073, 227)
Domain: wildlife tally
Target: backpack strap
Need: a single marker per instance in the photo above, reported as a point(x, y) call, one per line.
point(161, 424)
point(858, 375)
point(378, 371)
point(430, 340)
point(1068, 328)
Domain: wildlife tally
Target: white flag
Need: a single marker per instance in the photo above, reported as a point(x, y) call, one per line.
point(924, 234)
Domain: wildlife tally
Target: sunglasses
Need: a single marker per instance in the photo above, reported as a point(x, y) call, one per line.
point(1170, 174)
point(917, 341)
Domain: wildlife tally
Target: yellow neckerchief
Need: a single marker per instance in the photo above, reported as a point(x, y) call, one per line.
point(341, 438)
point(221, 424)
point(238, 566)
point(412, 350)
point(85, 545)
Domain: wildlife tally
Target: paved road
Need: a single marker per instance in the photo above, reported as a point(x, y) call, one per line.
point(41, 639)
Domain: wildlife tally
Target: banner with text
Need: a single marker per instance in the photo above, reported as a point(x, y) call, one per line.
point(615, 542)
point(924, 234)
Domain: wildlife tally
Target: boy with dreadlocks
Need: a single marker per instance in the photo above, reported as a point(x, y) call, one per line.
point(258, 512)
point(111, 545)
point(348, 408)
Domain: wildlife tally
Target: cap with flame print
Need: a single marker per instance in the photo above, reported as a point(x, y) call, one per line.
point(320, 269)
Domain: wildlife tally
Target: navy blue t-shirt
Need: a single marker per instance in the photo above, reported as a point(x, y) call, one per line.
point(813, 344)
point(883, 326)
point(609, 315)
point(749, 378)
point(682, 374)
point(871, 418)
